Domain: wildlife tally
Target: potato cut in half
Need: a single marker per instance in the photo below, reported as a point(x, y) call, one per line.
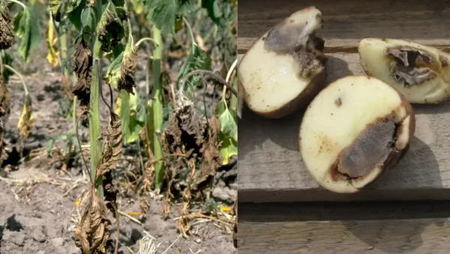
point(420, 73)
point(353, 130)
point(285, 68)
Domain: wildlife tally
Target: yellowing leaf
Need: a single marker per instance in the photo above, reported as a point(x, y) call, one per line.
point(138, 6)
point(134, 213)
point(225, 208)
point(52, 40)
point(33, 2)
point(26, 119)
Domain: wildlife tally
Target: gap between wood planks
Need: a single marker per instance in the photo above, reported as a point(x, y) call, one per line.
point(309, 211)
point(345, 45)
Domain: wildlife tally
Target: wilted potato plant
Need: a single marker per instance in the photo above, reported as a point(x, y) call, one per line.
point(26, 31)
point(156, 75)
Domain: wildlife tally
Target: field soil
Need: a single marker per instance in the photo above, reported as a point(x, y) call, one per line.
point(39, 194)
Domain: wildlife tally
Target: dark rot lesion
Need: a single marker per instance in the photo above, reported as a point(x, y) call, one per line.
point(411, 66)
point(291, 38)
point(372, 148)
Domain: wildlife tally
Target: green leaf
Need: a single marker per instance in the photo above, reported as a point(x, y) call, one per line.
point(196, 60)
point(131, 114)
point(164, 13)
point(54, 6)
point(228, 149)
point(26, 26)
point(214, 10)
point(74, 4)
point(114, 70)
point(74, 15)
point(6, 59)
point(228, 132)
point(88, 19)
point(228, 125)
point(132, 123)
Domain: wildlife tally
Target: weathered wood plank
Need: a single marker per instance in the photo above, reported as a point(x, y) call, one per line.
point(348, 21)
point(406, 227)
point(271, 170)
point(372, 236)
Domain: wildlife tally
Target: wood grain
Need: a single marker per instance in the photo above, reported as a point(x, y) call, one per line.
point(419, 236)
point(376, 227)
point(348, 21)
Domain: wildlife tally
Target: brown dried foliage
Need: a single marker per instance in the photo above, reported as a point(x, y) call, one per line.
point(92, 232)
point(111, 34)
point(5, 99)
point(6, 33)
point(111, 155)
point(128, 69)
point(113, 145)
point(192, 135)
point(82, 68)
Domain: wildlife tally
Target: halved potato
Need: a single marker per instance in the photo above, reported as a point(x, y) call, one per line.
point(353, 130)
point(285, 68)
point(420, 73)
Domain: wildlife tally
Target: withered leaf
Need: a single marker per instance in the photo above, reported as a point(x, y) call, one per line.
point(5, 99)
point(113, 145)
point(128, 69)
point(6, 33)
point(82, 68)
point(92, 232)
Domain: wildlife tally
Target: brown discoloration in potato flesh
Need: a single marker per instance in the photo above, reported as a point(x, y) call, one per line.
point(285, 38)
point(412, 66)
point(327, 144)
point(370, 149)
point(338, 102)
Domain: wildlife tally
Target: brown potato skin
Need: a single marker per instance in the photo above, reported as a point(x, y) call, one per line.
point(298, 103)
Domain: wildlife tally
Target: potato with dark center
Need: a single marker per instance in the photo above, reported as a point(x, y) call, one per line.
point(285, 68)
point(353, 130)
point(420, 73)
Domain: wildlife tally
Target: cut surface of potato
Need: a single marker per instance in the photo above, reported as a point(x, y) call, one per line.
point(353, 130)
point(420, 73)
point(285, 68)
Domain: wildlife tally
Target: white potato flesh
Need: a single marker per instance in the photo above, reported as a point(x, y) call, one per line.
point(337, 117)
point(270, 75)
point(378, 63)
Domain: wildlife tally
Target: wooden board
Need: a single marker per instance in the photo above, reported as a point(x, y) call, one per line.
point(412, 227)
point(270, 167)
point(347, 21)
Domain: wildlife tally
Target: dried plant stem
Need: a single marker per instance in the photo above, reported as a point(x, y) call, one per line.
point(211, 74)
point(77, 135)
point(25, 87)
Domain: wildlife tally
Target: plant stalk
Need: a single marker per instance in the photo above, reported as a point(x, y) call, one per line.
point(157, 107)
point(94, 113)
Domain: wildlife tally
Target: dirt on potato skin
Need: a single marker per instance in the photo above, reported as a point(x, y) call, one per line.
point(39, 219)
